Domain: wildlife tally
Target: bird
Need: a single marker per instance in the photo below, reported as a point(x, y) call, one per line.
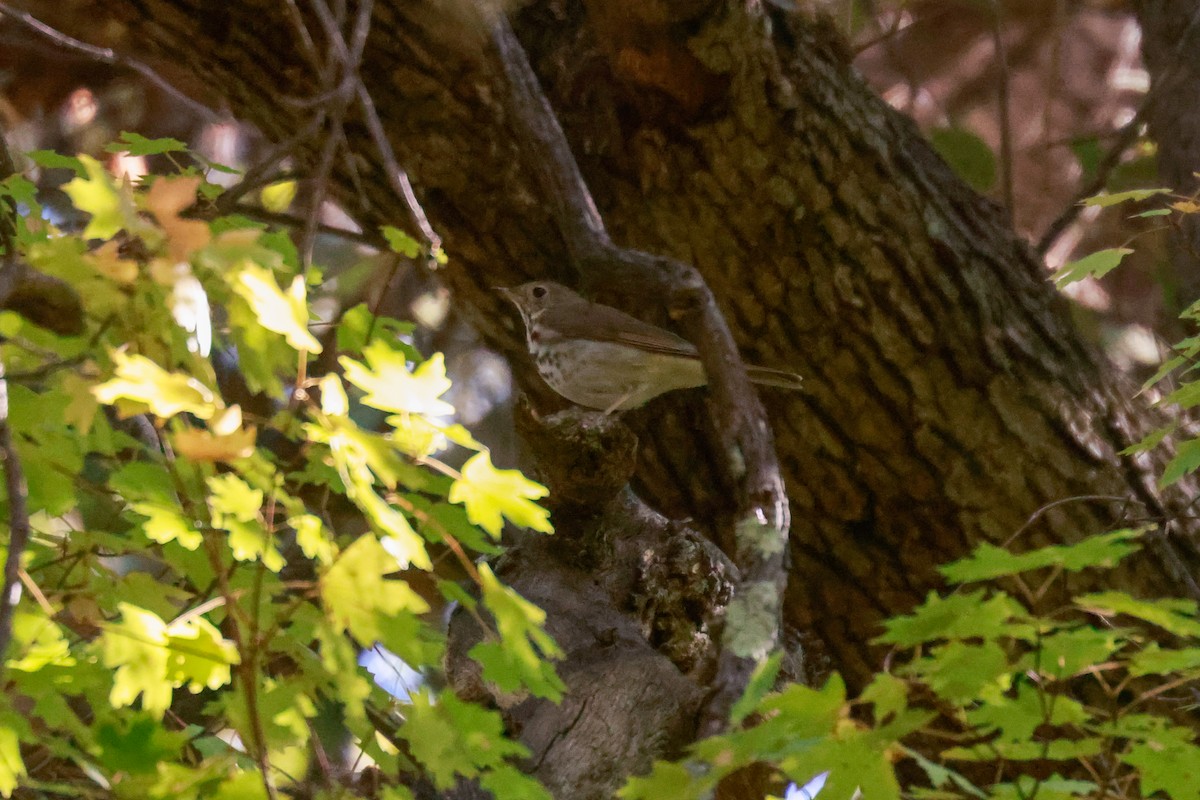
point(601, 358)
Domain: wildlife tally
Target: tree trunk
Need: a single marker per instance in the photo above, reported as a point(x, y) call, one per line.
point(947, 396)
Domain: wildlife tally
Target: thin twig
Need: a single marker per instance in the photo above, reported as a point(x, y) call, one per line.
point(396, 176)
point(106, 56)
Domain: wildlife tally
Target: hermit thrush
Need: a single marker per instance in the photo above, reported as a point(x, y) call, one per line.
point(599, 357)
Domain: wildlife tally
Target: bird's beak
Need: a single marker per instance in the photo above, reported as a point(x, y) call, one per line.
point(505, 292)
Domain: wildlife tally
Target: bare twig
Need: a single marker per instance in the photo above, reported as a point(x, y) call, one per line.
point(106, 56)
point(350, 54)
point(761, 527)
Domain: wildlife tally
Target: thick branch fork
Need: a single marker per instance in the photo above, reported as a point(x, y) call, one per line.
point(750, 630)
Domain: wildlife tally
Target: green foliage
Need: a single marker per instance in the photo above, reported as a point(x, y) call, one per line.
point(967, 154)
point(988, 683)
point(200, 578)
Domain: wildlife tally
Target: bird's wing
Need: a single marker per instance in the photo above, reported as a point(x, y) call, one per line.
point(601, 323)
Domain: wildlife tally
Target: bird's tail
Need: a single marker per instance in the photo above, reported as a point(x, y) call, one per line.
point(765, 376)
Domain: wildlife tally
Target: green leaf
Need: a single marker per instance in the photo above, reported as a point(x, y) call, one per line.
point(1174, 615)
point(151, 658)
point(519, 658)
point(959, 616)
point(888, 694)
point(164, 393)
point(1185, 461)
point(137, 145)
point(37, 642)
point(1167, 762)
point(358, 326)
point(1134, 195)
point(199, 657)
point(453, 738)
point(112, 210)
point(136, 647)
point(1052, 750)
point(510, 783)
point(1155, 661)
point(1063, 653)
point(960, 672)
point(12, 768)
point(400, 242)
point(489, 493)
point(48, 159)
point(1016, 719)
point(357, 596)
point(762, 680)
point(988, 561)
point(967, 154)
point(136, 744)
point(667, 781)
point(1096, 265)
point(167, 524)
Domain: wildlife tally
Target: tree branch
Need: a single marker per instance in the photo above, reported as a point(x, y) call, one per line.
point(751, 625)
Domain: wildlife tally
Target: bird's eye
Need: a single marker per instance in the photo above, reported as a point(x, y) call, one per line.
point(539, 292)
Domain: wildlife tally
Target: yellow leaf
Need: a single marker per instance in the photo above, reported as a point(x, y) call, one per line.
point(333, 396)
point(97, 194)
point(278, 196)
point(391, 386)
point(225, 440)
point(11, 766)
point(285, 314)
point(165, 393)
point(488, 493)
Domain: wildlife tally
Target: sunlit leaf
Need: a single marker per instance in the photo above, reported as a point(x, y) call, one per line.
point(224, 441)
point(164, 393)
point(400, 242)
point(1134, 195)
point(1096, 265)
point(519, 659)
point(491, 494)
point(391, 386)
point(357, 595)
point(278, 196)
point(285, 314)
point(12, 768)
point(165, 523)
point(136, 647)
point(97, 194)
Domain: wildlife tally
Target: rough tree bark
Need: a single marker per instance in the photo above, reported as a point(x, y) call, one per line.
point(948, 398)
